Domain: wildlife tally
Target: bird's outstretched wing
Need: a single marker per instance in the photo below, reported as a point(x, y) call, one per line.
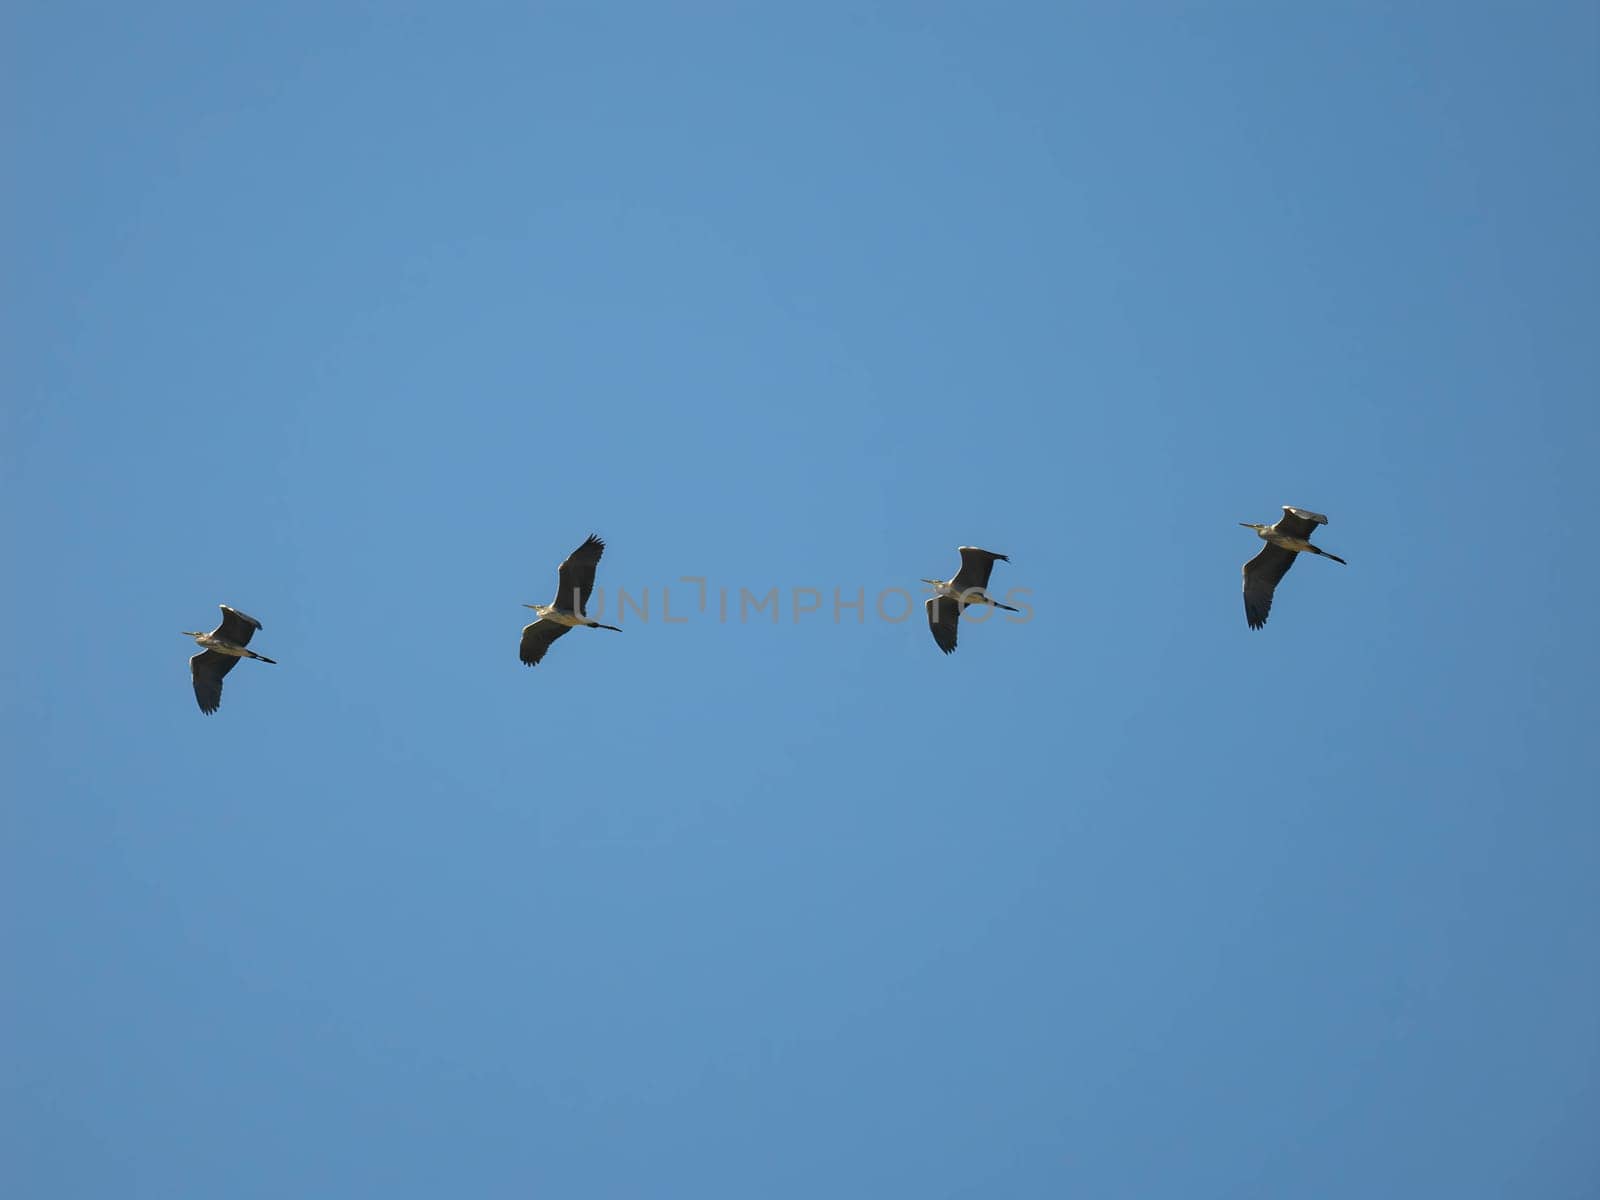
point(1261, 576)
point(1299, 522)
point(944, 615)
point(976, 565)
point(207, 669)
point(577, 575)
point(236, 627)
point(536, 639)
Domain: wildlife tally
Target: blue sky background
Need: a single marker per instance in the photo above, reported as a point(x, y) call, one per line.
point(360, 317)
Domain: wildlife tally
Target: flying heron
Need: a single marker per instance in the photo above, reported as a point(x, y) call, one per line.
point(956, 594)
point(224, 646)
point(572, 595)
point(1286, 541)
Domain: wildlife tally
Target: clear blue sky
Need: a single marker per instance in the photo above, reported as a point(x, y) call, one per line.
point(360, 316)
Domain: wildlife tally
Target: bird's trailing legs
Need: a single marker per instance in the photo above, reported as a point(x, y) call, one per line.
point(976, 596)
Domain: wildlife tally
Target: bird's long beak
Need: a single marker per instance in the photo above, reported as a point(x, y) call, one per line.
point(532, 606)
point(1247, 524)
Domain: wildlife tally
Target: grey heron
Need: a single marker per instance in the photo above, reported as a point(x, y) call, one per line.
point(575, 582)
point(224, 646)
point(1286, 541)
point(956, 594)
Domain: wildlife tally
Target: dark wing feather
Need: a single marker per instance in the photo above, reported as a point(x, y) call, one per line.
point(1295, 525)
point(536, 639)
point(577, 575)
point(976, 565)
point(1261, 576)
point(207, 669)
point(236, 627)
point(944, 614)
